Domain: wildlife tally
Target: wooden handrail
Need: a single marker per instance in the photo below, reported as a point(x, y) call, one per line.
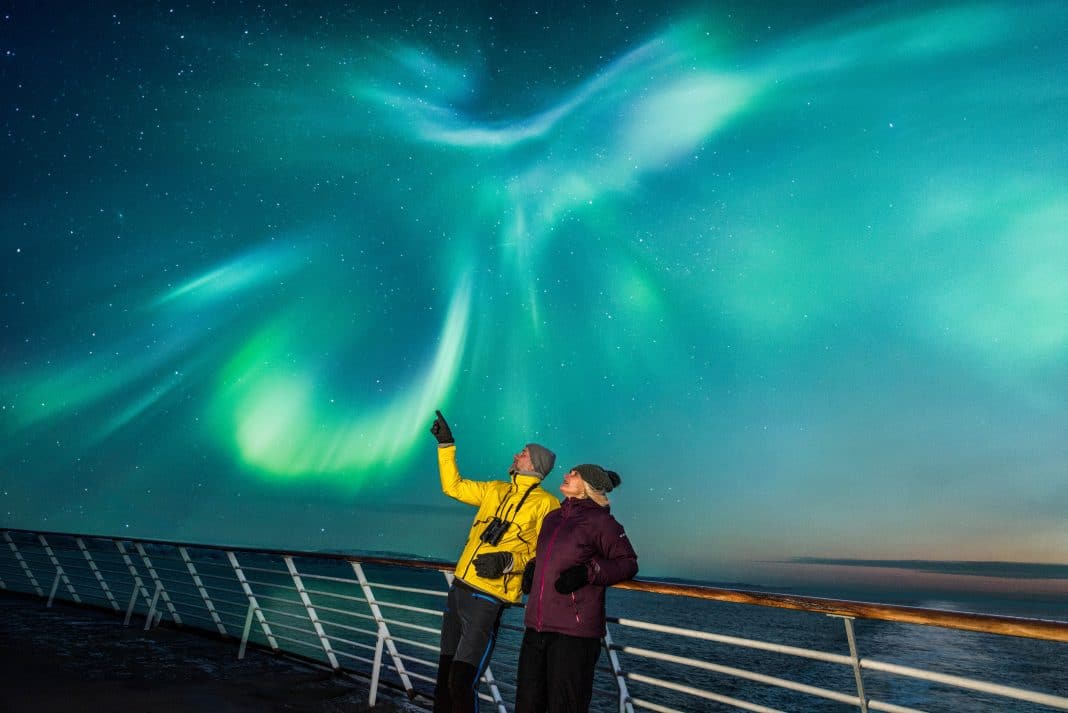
point(1044, 629)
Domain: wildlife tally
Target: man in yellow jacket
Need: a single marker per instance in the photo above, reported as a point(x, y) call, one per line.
point(489, 573)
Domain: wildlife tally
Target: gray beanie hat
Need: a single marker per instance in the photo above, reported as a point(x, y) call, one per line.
point(597, 477)
point(542, 458)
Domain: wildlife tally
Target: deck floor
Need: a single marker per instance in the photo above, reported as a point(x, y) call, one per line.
point(70, 658)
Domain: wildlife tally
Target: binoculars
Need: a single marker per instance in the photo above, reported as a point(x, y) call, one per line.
point(494, 531)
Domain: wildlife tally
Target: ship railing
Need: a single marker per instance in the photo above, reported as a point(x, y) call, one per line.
point(669, 647)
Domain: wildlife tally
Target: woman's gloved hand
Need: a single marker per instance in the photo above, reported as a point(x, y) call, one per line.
point(528, 576)
point(572, 579)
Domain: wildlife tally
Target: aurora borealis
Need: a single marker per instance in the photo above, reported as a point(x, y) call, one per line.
point(799, 275)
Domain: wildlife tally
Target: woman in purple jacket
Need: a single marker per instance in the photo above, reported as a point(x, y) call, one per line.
point(581, 551)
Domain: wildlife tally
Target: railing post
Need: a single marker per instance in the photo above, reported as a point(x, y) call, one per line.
point(160, 589)
point(253, 608)
point(376, 670)
point(246, 631)
point(625, 706)
point(55, 586)
point(324, 640)
point(383, 636)
point(494, 690)
point(150, 620)
point(130, 607)
point(25, 567)
point(98, 574)
point(851, 637)
point(139, 585)
point(208, 604)
point(60, 574)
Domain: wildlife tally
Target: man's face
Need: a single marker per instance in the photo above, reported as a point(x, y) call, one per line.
point(522, 461)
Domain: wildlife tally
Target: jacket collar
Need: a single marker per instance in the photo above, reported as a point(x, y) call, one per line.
point(525, 479)
point(582, 504)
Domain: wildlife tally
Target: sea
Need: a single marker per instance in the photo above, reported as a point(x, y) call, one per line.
point(1036, 665)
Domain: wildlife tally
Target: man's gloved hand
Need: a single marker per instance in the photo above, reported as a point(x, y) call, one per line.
point(528, 576)
point(493, 564)
point(441, 430)
point(572, 579)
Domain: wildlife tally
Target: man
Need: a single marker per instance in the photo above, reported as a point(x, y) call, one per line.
point(489, 573)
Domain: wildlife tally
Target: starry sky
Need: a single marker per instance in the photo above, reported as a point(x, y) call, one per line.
point(797, 273)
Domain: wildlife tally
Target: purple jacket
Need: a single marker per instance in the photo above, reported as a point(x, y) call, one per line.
point(579, 532)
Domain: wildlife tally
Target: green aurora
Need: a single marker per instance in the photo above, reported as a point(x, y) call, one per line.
point(799, 276)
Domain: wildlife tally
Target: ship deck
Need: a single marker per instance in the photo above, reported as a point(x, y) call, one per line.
point(70, 657)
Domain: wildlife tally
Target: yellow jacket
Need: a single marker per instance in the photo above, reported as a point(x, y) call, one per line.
point(497, 498)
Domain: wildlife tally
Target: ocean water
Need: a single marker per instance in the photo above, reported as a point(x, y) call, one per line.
point(1036, 665)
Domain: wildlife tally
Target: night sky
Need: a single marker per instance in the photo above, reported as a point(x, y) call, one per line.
point(799, 275)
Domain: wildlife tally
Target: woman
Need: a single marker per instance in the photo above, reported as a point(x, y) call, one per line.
point(581, 550)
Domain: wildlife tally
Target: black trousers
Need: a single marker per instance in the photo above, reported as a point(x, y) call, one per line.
point(468, 635)
point(555, 673)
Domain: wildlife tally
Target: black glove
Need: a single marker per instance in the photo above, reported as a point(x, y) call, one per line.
point(572, 579)
point(493, 564)
point(528, 576)
point(440, 429)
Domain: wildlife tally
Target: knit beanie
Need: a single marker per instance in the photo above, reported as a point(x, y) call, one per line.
point(598, 477)
point(614, 477)
point(542, 458)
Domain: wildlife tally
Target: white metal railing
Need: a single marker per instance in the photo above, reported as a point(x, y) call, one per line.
point(379, 618)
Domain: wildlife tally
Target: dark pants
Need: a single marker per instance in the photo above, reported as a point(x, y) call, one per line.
point(468, 635)
point(555, 673)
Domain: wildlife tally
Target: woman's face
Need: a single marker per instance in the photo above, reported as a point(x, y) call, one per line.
point(573, 485)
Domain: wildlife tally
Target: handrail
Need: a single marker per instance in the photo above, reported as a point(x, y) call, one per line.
point(412, 563)
point(648, 663)
point(1042, 629)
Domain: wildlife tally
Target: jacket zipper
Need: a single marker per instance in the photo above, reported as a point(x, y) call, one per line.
point(471, 559)
point(541, 584)
point(566, 510)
